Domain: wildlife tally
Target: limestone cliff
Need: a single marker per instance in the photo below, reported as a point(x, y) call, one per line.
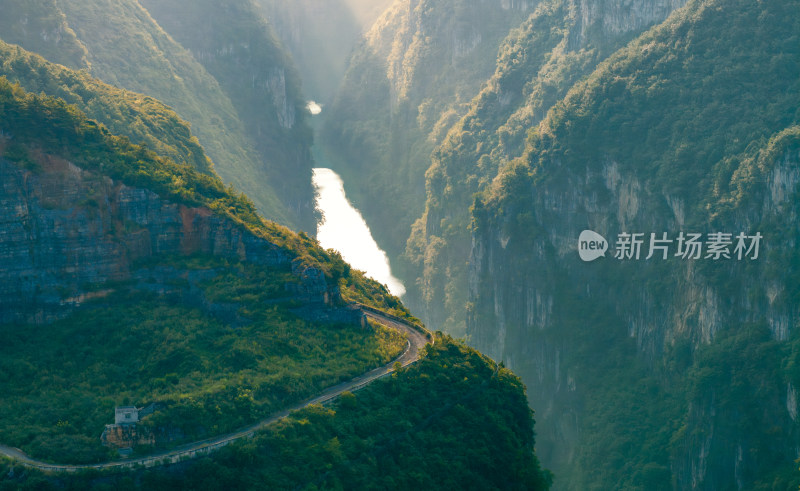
point(70, 236)
point(559, 43)
point(678, 373)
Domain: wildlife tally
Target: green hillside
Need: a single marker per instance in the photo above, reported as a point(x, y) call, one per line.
point(239, 49)
point(453, 421)
point(143, 119)
point(125, 47)
point(210, 377)
point(216, 341)
point(691, 127)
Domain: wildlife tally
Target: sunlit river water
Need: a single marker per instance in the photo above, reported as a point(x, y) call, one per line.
point(343, 228)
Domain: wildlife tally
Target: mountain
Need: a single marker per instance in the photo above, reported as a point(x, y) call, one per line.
point(144, 120)
point(133, 276)
point(657, 373)
point(560, 43)
point(130, 279)
point(124, 46)
point(620, 118)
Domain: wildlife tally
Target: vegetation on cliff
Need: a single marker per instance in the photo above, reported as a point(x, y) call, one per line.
point(143, 119)
point(32, 127)
point(125, 47)
point(535, 67)
point(236, 45)
point(454, 410)
point(693, 126)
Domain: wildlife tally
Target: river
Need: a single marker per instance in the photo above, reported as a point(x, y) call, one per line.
point(343, 228)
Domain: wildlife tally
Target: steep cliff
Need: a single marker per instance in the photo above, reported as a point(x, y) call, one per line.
point(67, 232)
point(561, 42)
point(657, 370)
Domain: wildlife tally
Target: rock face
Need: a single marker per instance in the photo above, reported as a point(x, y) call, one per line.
point(561, 323)
point(67, 235)
point(126, 436)
point(610, 19)
point(559, 43)
point(620, 357)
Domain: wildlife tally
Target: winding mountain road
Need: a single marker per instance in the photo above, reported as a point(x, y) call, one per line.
point(416, 340)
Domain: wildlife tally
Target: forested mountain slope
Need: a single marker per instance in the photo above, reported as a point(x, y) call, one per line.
point(129, 279)
point(560, 43)
point(676, 372)
point(124, 46)
point(455, 409)
point(239, 49)
point(143, 119)
point(644, 117)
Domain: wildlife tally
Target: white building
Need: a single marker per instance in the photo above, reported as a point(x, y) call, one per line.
point(126, 415)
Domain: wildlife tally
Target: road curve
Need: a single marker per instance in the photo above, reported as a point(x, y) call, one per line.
point(416, 340)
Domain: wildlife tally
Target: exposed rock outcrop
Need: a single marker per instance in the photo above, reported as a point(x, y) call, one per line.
point(127, 436)
point(66, 235)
